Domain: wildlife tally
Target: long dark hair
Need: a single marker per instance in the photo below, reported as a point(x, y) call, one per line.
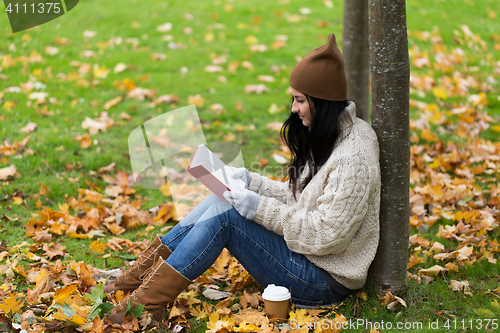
point(312, 145)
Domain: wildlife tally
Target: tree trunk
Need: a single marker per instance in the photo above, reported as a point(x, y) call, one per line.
point(390, 73)
point(355, 49)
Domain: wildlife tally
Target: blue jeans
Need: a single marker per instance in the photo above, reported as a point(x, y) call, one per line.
point(213, 225)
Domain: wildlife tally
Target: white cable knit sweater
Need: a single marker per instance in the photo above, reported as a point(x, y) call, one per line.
point(335, 220)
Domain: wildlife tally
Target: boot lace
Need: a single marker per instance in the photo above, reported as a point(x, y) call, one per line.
point(145, 283)
point(141, 261)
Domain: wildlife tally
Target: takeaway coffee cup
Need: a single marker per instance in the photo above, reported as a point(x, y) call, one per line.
point(276, 301)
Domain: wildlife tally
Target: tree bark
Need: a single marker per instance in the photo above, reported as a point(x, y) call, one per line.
point(355, 49)
point(390, 74)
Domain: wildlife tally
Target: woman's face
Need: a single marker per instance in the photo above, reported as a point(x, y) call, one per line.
point(301, 107)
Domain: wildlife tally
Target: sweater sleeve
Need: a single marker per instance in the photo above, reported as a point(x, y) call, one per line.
point(264, 186)
point(341, 208)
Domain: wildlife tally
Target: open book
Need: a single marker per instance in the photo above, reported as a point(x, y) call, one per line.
point(212, 172)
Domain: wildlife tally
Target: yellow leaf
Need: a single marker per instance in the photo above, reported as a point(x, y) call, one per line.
point(241, 25)
point(37, 72)
point(201, 312)
point(41, 276)
point(64, 295)
point(212, 320)
point(440, 92)
point(59, 315)
point(196, 100)
point(64, 208)
point(251, 39)
point(98, 247)
point(478, 99)
point(220, 324)
point(246, 327)
point(299, 316)
point(9, 105)
point(294, 18)
point(12, 304)
point(80, 236)
point(119, 295)
point(101, 72)
point(165, 190)
point(174, 312)
point(209, 37)
point(78, 320)
point(190, 296)
point(18, 201)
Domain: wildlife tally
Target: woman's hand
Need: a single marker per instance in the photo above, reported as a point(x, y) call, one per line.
point(241, 173)
point(244, 201)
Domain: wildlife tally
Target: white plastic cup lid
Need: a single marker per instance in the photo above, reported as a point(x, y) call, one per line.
point(276, 293)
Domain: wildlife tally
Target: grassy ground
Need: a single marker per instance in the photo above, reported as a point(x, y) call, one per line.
point(219, 28)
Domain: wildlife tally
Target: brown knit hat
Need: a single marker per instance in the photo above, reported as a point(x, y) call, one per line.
point(321, 73)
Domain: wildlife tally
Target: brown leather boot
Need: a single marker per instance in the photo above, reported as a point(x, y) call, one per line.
point(132, 278)
point(161, 287)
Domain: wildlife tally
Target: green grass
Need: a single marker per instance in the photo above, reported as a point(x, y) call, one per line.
point(110, 19)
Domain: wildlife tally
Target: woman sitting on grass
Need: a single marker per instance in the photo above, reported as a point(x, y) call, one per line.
point(316, 233)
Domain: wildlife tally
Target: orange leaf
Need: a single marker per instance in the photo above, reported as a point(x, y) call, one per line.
point(53, 250)
point(85, 276)
point(44, 190)
point(113, 102)
point(115, 228)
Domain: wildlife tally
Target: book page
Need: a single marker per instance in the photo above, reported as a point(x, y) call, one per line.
point(200, 156)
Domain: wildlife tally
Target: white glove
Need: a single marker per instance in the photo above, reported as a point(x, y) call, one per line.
point(241, 173)
point(244, 201)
